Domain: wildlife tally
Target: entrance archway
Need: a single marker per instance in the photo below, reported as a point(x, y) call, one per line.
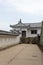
point(24, 34)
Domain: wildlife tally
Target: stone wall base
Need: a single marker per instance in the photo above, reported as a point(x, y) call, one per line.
point(29, 40)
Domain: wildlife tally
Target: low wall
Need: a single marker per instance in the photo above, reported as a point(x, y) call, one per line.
point(8, 40)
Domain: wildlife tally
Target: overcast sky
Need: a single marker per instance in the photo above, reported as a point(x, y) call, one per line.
point(12, 10)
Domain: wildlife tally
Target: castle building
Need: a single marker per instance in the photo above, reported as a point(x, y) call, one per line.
point(27, 29)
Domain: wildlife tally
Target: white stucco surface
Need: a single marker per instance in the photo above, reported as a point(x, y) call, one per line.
point(33, 35)
point(28, 31)
point(8, 41)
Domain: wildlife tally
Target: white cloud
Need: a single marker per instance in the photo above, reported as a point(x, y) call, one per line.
point(27, 6)
point(29, 10)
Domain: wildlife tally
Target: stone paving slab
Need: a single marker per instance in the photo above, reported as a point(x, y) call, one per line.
point(23, 54)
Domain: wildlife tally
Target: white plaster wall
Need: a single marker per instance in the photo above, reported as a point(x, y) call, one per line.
point(16, 28)
point(34, 35)
point(8, 41)
point(39, 31)
point(22, 29)
point(28, 32)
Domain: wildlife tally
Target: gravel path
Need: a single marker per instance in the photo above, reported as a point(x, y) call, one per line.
point(23, 54)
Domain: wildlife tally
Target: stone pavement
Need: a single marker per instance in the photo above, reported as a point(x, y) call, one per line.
point(22, 54)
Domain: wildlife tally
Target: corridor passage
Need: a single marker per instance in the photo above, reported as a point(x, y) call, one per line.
point(22, 54)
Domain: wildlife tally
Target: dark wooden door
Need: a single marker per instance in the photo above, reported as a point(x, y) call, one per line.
point(23, 33)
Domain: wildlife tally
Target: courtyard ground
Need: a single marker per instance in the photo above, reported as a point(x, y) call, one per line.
point(22, 54)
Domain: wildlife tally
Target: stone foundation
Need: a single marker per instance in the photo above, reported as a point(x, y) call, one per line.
point(28, 40)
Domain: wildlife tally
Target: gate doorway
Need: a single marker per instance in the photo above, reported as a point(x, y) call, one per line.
point(24, 34)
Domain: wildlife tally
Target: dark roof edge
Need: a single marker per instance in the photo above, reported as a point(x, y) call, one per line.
point(9, 34)
point(2, 32)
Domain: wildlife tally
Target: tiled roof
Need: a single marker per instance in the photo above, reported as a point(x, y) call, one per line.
point(27, 25)
point(2, 32)
point(20, 24)
point(34, 24)
point(15, 32)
